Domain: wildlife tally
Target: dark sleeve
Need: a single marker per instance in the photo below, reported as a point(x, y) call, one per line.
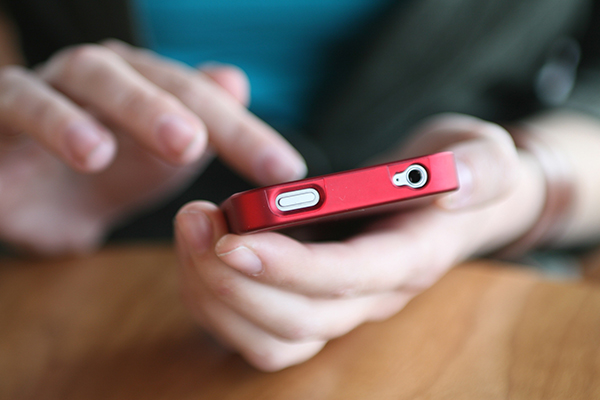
point(585, 96)
point(470, 56)
point(46, 26)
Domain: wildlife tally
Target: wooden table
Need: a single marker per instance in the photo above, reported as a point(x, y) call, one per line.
point(112, 327)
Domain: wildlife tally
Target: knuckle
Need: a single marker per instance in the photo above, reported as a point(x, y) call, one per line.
point(84, 56)
point(240, 132)
point(497, 133)
point(10, 74)
point(224, 288)
point(299, 330)
point(182, 88)
point(267, 359)
point(345, 290)
point(79, 65)
point(190, 91)
point(11, 93)
point(16, 96)
point(44, 112)
point(136, 102)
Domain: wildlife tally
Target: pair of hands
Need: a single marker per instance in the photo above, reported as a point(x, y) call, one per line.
point(111, 129)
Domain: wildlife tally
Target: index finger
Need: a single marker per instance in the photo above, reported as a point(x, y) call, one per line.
point(241, 139)
point(413, 251)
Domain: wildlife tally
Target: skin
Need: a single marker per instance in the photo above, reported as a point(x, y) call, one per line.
point(278, 301)
point(83, 146)
point(103, 131)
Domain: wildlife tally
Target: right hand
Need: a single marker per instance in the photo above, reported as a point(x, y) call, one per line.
point(100, 131)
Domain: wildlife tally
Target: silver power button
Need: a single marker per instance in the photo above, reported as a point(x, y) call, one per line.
point(297, 199)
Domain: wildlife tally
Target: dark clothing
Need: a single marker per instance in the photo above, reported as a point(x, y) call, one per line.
point(476, 57)
point(470, 56)
point(47, 26)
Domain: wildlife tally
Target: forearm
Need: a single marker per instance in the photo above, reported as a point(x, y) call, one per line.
point(577, 138)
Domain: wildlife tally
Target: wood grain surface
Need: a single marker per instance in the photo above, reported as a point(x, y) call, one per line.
point(112, 326)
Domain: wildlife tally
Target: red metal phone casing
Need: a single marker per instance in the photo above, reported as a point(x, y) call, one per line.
point(255, 210)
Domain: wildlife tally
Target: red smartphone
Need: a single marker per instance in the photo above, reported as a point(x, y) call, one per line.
point(339, 194)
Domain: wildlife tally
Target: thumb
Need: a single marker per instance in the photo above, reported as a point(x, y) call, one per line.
point(487, 161)
point(486, 172)
point(200, 225)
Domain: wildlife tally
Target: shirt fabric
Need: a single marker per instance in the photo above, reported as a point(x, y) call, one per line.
point(287, 48)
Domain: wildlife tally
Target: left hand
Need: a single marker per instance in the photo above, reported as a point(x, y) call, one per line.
point(99, 133)
point(278, 301)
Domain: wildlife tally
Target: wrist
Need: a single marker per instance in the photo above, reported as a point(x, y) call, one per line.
point(557, 172)
point(509, 219)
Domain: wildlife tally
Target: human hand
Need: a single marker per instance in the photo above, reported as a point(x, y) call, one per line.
point(278, 301)
point(100, 131)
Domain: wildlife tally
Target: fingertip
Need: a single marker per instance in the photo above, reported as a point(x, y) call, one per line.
point(233, 251)
point(194, 224)
point(276, 165)
point(88, 147)
point(202, 223)
point(196, 148)
point(181, 141)
point(463, 195)
point(240, 258)
point(101, 157)
point(265, 254)
point(487, 171)
point(199, 206)
point(225, 244)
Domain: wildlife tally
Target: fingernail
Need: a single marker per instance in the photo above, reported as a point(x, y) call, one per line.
point(243, 259)
point(196, 229)
point(87, 145)
point(461, 197)
point(101, 155)
point(275, 166)
point(176, 135)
